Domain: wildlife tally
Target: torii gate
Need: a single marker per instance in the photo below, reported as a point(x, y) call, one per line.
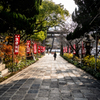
point(55, 34)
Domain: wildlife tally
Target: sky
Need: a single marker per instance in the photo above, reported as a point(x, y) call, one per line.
point(68, 4)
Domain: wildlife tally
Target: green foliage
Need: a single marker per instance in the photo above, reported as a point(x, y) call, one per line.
point(40, 36)
point(84, 67)
point(50, 15)
point(20, 66)
point(89, 61)
point(68, 59)
point(68, 55)
point(1, 7)
point(75, 63)
point(19, 14)
point(97, 75)
point(13, 19)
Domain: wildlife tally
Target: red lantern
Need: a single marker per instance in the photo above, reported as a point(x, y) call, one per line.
point(16, 43)
point(74, 46)
point(35, 48)
point(28, 46)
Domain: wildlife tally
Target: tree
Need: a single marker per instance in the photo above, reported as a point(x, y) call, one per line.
point(50, 15)
point(87, 16)
point(19, 14)
point(31, 17)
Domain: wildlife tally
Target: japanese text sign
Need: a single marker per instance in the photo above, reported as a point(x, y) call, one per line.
point(16, 43)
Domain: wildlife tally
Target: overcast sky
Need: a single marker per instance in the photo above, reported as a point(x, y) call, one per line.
point(68, 4)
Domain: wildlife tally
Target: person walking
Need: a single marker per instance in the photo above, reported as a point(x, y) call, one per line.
point(55, 55)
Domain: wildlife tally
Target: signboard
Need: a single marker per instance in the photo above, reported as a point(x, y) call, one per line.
point(16, 43)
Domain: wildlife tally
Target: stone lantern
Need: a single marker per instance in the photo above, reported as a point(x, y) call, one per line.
point(88, 44)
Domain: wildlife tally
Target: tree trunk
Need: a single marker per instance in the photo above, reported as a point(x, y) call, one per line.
point(77, 53)
point(61, 51)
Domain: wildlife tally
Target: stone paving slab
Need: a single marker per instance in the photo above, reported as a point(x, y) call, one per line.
point(50, 80)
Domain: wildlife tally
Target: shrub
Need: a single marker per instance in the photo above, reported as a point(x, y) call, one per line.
point(75, 63)
point(70, 56)
point(75, 58)
point(97, 75)
point(84, 67)
point(98, 65)
point(88, 64)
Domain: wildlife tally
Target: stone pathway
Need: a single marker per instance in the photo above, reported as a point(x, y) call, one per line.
point(50, 80)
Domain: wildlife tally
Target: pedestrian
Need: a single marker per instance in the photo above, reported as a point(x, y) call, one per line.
point(55, 55)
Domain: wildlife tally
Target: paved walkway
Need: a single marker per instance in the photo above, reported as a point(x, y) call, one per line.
point(50, 80)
